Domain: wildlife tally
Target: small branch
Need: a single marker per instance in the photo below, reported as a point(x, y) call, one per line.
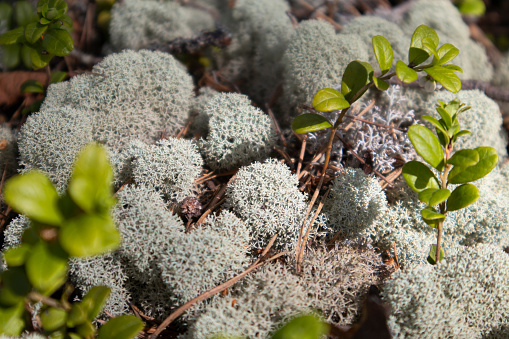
point(37, 297)
point(179, 311)
point(301, 155)
point(276, 125)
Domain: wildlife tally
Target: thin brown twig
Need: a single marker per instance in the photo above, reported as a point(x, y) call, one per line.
point(35, 296)
point(276, 125)
point(301, 155)
point(395, 254)
point(179, 311)
point(141, 314)
point(320, 15)
point(285, 155)
point(374, 123)
point(184, 130)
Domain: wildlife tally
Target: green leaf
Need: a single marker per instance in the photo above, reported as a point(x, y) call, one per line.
point(90, 186)
point(439, 196)
point(426, 194)
point(427, 146)
point(429, 213)
point(66, 20)
point(125, 327)
point(464, 158)
point(53, 318)
point(33, 195)
point(438, 125)
point(32, 58)
point(89, 235)
point(380, 84)
point(52, 9)
point(488, 159)
point(446, 77)
point(447, 53)
point(47, 267)
point(433, 254)
point(462, 196)
point(303, 327)
point(58, 42)
point(419, 177)
point(57, 76)
point(32, 86)
point(15, 286)
point(405, 73)
point(86, 330)
point(429, 45)
point(5, 15)
point(454, 68)
point(459, 134)
point(383, 53)
point(11, 320)
point(95, 300)
point(77, 315)
point(13, 36)
point(44, 21)
point(357, 75)
point(16, 256)
point(310, 122)
point(417, 53)
point(445, 116)
point(24, 13)
point(9, 55)
point(34, 31)
point(329, 99)
point(472, 7)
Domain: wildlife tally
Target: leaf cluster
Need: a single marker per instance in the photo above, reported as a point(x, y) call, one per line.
point(77, 224)
point(463, 167)
point(39, 36)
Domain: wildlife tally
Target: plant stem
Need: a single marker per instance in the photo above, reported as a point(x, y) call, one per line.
point(448, 150)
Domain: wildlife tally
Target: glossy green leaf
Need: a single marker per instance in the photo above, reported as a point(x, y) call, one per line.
point(426, 194)
point(24, 13)
point(429, 213)
point(5, 15)
point(53, 318)
point(86, 330)
point(419, 177)
point(454, 68)
point(383, 53)
point(52, 9)
point(90, 186)
point(32, 57)
point(438, 125)
point(329, 99)
point(488, 159)
point(445, 116)
point(446, 53)
point(95, 300)
point(405, 73)
point(310, 122)
point(77, 315)
point(15, 286)
point(439, 196)
point(303, 327)
point(462, 196)
point(13, 36)
point(380, 84)
point(357, 75)
point(89, 235)
point(459, 134)
point(125, 327)
point(472, 7)
point(32, 86)
point(44, 21)
point(16, 256)
point(426, 144)
point(417, 53)
point(429, 45)
point(58, 42)
point(464, 158)
point(446, 77)
point(66, 20)
point(433, 254)
point(10, 55)
point(11, 320)
point(34, 31)
point(57, 76)
point(47, 267)
point(33, 195)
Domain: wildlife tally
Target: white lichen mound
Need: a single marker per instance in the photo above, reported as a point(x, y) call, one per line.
point(465, 296)
point(267, 197)
point(260, 303)
point(170, 167)
point(355, 204)
point(316, 58)
point(337, 279)
point(137, 24)
point(239, 133)
point(50, 141)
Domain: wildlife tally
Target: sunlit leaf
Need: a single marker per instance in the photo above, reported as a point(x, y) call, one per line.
point(383, 53)
point(427, 146)
point(47, 267)
point(446, 77)
point(357, 75)
point(417, 53)
point(464, 158)
point(380, 84)
point(405, 73)
point(446, 53)
point(329, 99)
point(462, 196)
point(488, 159)
point(419, 177)
point(302, 327)
point(124, 326)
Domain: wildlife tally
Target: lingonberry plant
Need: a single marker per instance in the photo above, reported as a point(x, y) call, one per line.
point(359, 77)
point(459, 168)
point(77, 224)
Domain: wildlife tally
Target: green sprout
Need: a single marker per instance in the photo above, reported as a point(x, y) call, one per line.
point(460, 168)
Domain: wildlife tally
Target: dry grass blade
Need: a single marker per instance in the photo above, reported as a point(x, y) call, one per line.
point(179, 311)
